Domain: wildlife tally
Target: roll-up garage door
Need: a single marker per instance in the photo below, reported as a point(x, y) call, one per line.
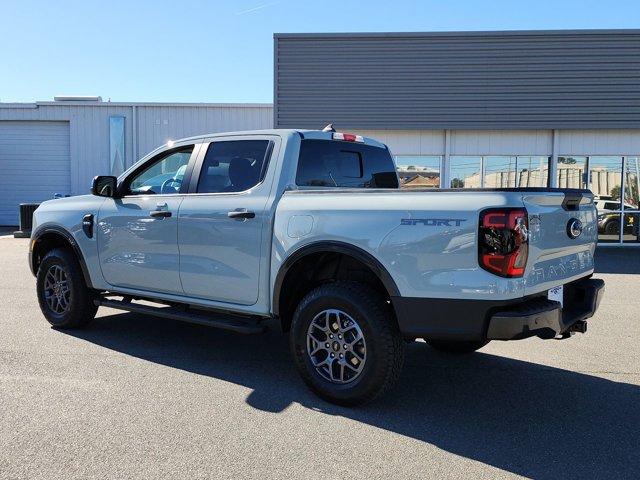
point(34, 164)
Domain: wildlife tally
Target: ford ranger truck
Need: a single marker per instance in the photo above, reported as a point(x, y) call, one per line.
point(310, 228)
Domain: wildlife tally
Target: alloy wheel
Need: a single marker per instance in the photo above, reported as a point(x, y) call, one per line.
point(336, 346)
point(56, 289)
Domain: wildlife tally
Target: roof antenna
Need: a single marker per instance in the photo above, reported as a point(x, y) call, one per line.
point(329, 128)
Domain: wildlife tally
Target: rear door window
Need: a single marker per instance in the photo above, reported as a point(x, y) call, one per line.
point(330, 163)
point(233, 166)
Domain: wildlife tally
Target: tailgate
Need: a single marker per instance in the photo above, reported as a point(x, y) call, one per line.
point(562, 237)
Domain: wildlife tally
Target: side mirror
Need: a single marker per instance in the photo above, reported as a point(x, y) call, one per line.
point(104, 186)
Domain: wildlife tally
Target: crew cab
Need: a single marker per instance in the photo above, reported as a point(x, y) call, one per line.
point(311, 228)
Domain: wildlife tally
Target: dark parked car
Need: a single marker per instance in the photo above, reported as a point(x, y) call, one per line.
point(609, 223)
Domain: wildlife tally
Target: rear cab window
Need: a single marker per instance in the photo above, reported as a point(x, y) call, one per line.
point(332, 163)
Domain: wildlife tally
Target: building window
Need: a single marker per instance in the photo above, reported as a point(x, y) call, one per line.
point(499, 171)
point(117, 159)
point(616, 197)
point(614, 183)
point(631, 204)
point(532, 171)
point(605, 177)
point(572, 172)
point(465, 172)
point(419, 171)
point(605, 181)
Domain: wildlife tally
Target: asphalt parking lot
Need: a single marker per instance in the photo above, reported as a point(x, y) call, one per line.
point(143, 397)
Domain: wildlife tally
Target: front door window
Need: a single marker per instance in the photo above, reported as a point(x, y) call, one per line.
point(163, 176)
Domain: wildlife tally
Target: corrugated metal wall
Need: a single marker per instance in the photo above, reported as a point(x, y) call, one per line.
point(156, 124)
point(477, 80)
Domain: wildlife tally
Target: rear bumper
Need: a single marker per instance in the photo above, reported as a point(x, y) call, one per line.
point(463, 320)
point(545, 318)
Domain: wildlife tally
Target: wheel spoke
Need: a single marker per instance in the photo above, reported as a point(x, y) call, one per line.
point(359, 355)
point(334, 326)
point(319, 346)
point(312, 335)
point(49, 297)
point(356, 339)
point(357, 367)
point(322, 363)
point(327, 321)
point(330, 365)
point(56, 304)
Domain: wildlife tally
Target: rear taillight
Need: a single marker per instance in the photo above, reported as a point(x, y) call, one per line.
point(503, 241)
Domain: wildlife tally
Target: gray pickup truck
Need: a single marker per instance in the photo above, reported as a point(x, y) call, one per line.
point(311, 228)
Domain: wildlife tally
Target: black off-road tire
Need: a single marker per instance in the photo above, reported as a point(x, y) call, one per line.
point(80, 308)
point(612, 227)
point(457, 348)
point(384, 344)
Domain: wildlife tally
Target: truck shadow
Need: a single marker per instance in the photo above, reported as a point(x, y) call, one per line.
point(528, 419)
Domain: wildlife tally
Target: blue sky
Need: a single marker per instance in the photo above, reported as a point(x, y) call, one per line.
point(222, 51)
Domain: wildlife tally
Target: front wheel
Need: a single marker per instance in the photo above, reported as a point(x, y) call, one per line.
point(65, 299)
point(456, 347)
point(346, 343)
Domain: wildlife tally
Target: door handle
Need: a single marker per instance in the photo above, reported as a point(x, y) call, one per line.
point(159, 214)
point(241, 214)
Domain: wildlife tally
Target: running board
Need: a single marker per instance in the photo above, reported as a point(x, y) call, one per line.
point(217, 320)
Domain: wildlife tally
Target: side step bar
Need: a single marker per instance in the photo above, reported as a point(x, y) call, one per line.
point(217, 320)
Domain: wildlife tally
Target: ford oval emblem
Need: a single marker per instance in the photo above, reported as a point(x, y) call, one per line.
point(574, 228)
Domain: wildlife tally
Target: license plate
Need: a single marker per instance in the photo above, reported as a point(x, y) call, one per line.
point(555, 294)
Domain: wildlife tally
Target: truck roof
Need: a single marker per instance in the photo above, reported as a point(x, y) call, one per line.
point(313, 134)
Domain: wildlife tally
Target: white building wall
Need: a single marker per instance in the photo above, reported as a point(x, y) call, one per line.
point(501, 142)
point(599, 142)
point(157, 125)
point(410, 142)
point(510, 142)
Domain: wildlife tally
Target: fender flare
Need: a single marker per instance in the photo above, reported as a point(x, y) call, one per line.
point(68, 238)
point(332, 246)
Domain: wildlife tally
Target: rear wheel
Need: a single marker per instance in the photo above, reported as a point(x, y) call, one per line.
point(346, 343)
point(612, 227)
point(65, 299)
point(456, 347)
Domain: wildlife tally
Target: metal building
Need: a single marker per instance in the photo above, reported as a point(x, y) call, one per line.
point(58, 147)
point(481, 109)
